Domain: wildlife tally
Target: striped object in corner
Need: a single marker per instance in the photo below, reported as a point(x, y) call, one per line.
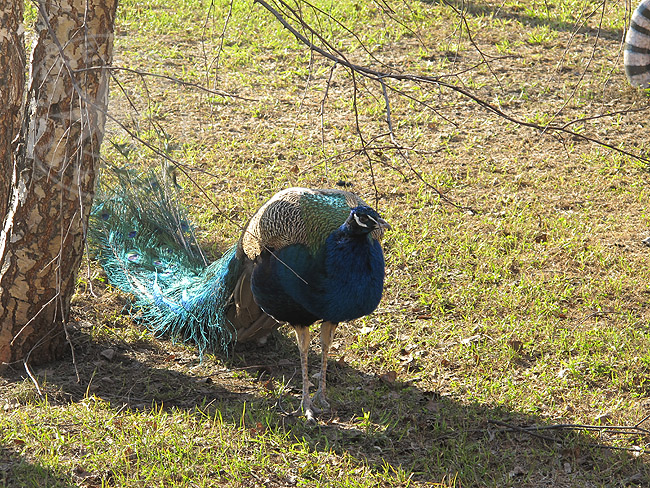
point(636, 56)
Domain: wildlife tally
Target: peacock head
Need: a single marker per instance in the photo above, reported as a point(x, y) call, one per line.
point(364, 220)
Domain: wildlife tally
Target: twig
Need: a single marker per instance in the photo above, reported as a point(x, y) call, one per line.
point(22, 329)
point(400, 151)
point(322, 107)
point(304, 94)
point(74, 358)
point(341, 25)
point(597, 313)
point(619, 429)
point(584, 72)
point(521, 429)
point(472, 42)
point(608, 114)
point(613, 429)
point(279, 400)
point(31, 376)
point(172, 79)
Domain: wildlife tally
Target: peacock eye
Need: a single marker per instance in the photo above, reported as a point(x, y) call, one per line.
point(361, 220)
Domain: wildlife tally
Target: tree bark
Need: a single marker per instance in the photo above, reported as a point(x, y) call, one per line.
point(42, 240)
point(12, 87)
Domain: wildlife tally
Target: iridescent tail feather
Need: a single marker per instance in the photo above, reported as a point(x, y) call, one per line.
point(142, 237)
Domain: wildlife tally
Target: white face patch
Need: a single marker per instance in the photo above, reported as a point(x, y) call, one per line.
point(359, 223)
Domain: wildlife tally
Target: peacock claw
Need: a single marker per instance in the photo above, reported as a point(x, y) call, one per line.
point(309, 415)
point(319, 397)
point(310, 410)
point(307, 408)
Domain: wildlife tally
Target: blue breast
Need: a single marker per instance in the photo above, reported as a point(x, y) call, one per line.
point(343, 281)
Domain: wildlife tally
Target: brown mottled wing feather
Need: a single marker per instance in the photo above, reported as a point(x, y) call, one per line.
point(250, 322)
point(296, 216)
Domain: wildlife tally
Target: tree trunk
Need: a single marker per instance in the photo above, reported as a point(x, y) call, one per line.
point(12, 86)
point(42, 239)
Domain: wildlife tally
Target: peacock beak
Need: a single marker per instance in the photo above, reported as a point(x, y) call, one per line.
point(383, 224)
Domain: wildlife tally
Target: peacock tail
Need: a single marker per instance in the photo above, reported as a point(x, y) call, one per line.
point(142, 237)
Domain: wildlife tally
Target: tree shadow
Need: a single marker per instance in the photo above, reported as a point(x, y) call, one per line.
point(514, 11)
point(18, 472)
point(391, 426)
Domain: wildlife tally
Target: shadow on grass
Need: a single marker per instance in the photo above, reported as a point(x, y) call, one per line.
point(17, 472)
point(390, 426)
point(538, 17)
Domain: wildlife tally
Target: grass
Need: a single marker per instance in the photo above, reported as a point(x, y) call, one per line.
point(136, 448)
point(525, 304)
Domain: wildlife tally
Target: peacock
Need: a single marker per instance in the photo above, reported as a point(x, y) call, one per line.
point(307, 255)
point(636, 56)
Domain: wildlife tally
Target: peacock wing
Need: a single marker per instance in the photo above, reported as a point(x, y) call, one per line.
point(245, 315)
point(297, 216)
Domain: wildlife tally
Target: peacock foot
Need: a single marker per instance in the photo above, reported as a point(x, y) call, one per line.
point(319, 397)
point(309, 409)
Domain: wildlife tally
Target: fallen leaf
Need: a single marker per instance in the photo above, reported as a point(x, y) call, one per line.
point(258, 429)
point(637, 451)
point(471, 339)
point(388, 378)
point(516, 345)
point(80, 472)
point(108, 354)
point(517, 471)
point(562, 373)
point(604, 418)
point(433, 406)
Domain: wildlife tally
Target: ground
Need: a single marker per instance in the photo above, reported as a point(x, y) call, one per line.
point(517, 283)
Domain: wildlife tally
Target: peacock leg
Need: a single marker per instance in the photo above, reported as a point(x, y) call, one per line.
point(326, 336)
point(302, 336)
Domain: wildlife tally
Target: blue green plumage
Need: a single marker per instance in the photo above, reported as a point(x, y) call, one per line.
point(143, 239)
point(305, 256)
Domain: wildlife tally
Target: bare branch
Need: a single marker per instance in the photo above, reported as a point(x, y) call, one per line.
point(533, 430)
point(377, 75)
